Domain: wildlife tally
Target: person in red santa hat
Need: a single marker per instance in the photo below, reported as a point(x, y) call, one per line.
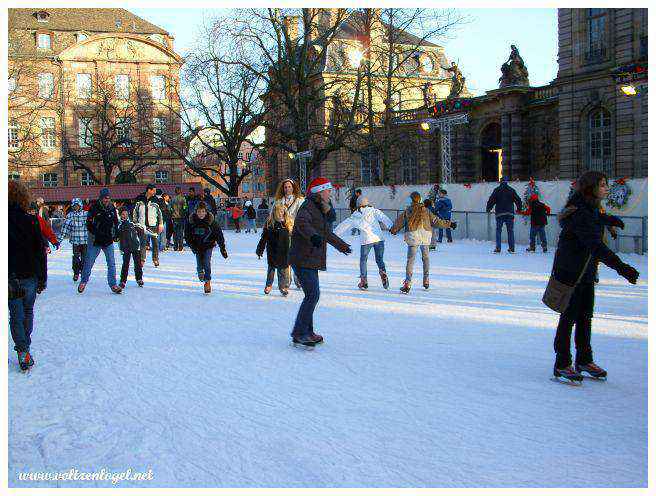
point(538, 212)
point(307, 255)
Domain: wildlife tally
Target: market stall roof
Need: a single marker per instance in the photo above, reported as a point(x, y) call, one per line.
point(117, 191)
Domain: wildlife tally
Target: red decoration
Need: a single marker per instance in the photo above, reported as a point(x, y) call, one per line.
point(467, 185)
point(621, 180)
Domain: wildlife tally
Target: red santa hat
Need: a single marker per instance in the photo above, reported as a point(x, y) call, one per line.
point(319, 184)
point(533, 197)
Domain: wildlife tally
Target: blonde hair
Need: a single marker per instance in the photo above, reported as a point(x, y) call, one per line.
point(280, 190)
point(279, 211)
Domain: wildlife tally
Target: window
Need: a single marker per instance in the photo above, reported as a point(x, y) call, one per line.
point(14, 141)
point(83, 84)
point(43, 40)
point(596, 35)
point(118, 23)
point(85, 179)
point(123, 129)
point(48, 132)
point(157, 89)
point(159, 127)
point(84, 133)
point(369, 167)
point(42, 16)
point(46, 85)
point(261, 186)
point(14, 176)
point(244, 187)
point(162, 176)
point(50, 179)
point(599, 141)
point(122, 86)
point(80, 37)
point(409, 166)
point(11, 84)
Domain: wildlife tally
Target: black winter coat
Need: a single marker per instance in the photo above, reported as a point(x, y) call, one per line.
point(276, 241)
point(503, 199)
point(251, 212)
point(203, 234)
point(102, 223)
point(539, 212)
point(27, 256)
point(129, 236)
point(581, 236)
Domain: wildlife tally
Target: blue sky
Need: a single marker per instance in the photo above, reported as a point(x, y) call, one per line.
point(479, 47)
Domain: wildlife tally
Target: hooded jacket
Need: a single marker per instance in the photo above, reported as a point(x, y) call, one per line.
point(422, 233)
point(367, 219)
point(203, 234)
point(129, 236)
point(102, 223)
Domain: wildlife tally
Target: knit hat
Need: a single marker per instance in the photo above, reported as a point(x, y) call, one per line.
point(76, 201)
point(104, 193)
point(363, 201)
point(319, 184)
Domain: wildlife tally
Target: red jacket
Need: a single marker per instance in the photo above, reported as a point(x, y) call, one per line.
point(47, 231)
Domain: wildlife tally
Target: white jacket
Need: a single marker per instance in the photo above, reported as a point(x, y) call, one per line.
point(293, 204)
point(154, 219)
point(367, 220)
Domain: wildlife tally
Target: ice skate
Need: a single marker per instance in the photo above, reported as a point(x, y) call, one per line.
point(284, 291)
point(122, 285)
point(384, 279)
point(80, 288)
point(567, 375)
point(140, 283)
point(317, 338)
point(363, 283)
point(497, 250)
point(406, 287)
point(592, 370)
point(116, 289)
point(207, 287)
point(426, 282)
point(530, 248)
point(306, 343)
point(25, 360)
point(267, 290)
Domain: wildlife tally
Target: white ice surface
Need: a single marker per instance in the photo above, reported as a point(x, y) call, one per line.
point(448, 387)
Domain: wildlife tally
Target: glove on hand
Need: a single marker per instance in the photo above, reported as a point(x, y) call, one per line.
point(224, 253)
point(454, 225)
point(629, 273)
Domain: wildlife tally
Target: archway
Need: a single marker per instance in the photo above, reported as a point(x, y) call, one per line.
point(491, 152)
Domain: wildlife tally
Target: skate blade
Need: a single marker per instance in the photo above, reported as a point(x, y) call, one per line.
point(568, 382)
point(303, 347)
point(588, 376)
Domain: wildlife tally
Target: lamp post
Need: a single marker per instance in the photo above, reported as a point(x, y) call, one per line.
point(444, 125)
point(302, 158)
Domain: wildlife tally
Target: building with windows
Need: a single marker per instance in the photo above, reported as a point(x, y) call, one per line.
point(91, 93)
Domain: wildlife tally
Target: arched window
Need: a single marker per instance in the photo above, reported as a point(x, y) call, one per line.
point(599, 141)
point(409, 171)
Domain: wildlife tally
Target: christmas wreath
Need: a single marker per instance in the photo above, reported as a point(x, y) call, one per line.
point(618, 195)
point(392, 191)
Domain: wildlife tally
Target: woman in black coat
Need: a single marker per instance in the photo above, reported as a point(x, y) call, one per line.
point(580, 249)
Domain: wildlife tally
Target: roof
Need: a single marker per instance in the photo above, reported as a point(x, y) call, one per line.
point(91, 20)
point(116, 191)
point(350, 29)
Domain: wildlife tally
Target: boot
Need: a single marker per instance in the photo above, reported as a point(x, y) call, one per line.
point(122, 285)
point(530, 248)
point(140, 283)
point(284, 291)
point(207, 287)
point(544, 249)
point(308, 343)
point(25, 360)
point(267, 290)
point(317, 338)
point(592, 369)
point(363, 283)
point(116, 289)
point(384, 279)
point(567, 373)
point(497, 250)
point(156, 263)
point(426, 282)
point(80, 288)
point(406, 287)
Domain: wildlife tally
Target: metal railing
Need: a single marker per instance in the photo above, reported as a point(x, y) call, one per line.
point(482, 226)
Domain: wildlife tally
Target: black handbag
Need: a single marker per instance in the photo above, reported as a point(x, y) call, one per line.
point(557, 295)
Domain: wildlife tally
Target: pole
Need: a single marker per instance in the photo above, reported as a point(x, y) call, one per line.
point(302, 172)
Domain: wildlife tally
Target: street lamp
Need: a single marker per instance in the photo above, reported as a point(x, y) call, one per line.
point(355, 58)
point(302, 158)
point(629, 90)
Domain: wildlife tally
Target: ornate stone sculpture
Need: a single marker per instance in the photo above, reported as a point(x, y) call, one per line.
point(457, 80)
point(513, 71)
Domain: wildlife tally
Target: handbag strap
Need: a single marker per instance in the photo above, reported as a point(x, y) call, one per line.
point(583, 271)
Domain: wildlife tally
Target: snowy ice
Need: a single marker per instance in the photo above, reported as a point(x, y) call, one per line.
point(447, 387)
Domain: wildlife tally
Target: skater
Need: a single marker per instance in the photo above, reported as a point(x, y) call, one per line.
point(289, 194)
point(148, 213)
point(192, 200)
point(75, 228)
point(102, 222)
point(250, 214)
point(418, 222)
point(276, 235)
point(178, 214)
point(307, 256)
point(210, 202)
point(538, 212)
point(580, 249)
point(26, 265)
point(353, 205)
point(167, 233)
point(443, 209)
point(202, 234)
point(235, 213)
point(130, 236)
point(431, 208)
point(503, 199)
point(368, 219)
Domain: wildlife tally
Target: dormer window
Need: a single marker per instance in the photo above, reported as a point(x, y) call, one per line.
point(41, 16)
point(118, 23)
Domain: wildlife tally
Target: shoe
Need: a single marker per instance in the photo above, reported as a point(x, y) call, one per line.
point(432, 248)
point(363, 283)
point(122, 285)
point(406, 287)
point(567, 373)
point(207, 287)
point(284, 291)
point(544, 249)
point(592, 369)
point(267, 290)
point(384, 279)
point(449, 241)
point(76, 277)
point(426, 283)
point(306, 342)
point(511, 251)
point(140, 283)
point(25, 360)
point(201, 276)
point(80, 288)
point(530, 248)
point(317, 338)
point(116, 289)
point(156, 263)
point(497, 250)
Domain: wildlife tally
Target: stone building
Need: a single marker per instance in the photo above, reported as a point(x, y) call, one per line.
point(87, 88)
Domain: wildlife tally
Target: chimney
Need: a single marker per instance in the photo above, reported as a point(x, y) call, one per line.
point(291, 26)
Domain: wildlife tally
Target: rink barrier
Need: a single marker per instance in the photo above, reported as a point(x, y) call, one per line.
point(481, 226)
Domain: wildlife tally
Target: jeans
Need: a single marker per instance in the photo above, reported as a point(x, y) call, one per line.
point(154, 248)
point(440, 231)
point(79, 253)
point(92, 253)
point(21, 315)
point(251, 225)
point(236, 223)
point(509, 221)
point(178, 234)
point(379, 250)
point(304, 327)
point(161, 239)
point(538, 231)
point(204, 264)
point(579, 313)
point(169, 232)
point(283, 277)
point(412, 252)
point(125, 268)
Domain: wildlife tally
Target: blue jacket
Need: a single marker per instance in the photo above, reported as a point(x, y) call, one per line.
point(443, 208)
point(503, 199)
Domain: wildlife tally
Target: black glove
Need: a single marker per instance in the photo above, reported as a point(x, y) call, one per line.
point(259, 255)
point(616, 222)
point(613, 233)
point(629, 273)
point(316, 240)
point(57, 245)
point(224, 253)
point(347, 250)
point(454, 225)
point(40, 287)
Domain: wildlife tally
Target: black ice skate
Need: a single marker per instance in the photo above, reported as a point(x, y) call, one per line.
point(25, 360)
point(306, 343)
point(140, 283)
point(530, 248)
point(363, 283)
point(592, 370)
point(426, 283)
point(567, 374)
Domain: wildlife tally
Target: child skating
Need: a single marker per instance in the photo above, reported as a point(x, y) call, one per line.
point(75, 229)
point(130, 236)
point(276, 236)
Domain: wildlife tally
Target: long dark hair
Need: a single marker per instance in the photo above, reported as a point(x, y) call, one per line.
point(588, 184)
